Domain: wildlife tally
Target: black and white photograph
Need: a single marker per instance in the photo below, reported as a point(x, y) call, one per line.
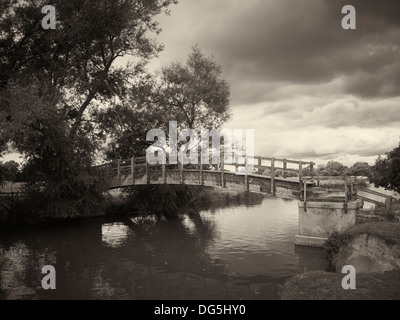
point(209, 151)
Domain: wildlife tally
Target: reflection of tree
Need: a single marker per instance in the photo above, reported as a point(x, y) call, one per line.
point(71, 249)
point(206, 229)
point(86, 267)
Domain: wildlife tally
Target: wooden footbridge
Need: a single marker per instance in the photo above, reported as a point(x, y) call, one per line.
point(267, 174)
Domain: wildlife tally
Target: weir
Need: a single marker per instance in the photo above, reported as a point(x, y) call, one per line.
point(322, 213)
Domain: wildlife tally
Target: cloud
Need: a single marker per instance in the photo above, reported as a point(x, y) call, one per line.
point(263, 42)
point(309, 88)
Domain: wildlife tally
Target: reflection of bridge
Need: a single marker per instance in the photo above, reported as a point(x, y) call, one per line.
point(267, 175)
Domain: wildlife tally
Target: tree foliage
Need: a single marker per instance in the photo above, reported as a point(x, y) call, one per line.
point(386, 171)
point(195, 94)
point(9, 170)
point(360, 169)
point(54, 82)
point(332, 168)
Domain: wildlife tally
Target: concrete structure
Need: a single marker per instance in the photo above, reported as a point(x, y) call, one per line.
point(318, 219)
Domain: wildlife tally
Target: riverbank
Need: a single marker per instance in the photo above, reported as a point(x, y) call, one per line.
point(175, 199)
point(169, 200)
point(374, 251)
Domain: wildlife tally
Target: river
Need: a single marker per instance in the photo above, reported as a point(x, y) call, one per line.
point(235, 252)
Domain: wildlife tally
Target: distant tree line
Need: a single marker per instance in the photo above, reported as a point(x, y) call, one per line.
point(335, 168)
point(384, 173)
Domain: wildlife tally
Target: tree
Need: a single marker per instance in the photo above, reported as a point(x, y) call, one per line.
point(386, 171)
point(332, 168)
point(10, 169)
point(360, 169)
point(52, 82)
point(195, 95)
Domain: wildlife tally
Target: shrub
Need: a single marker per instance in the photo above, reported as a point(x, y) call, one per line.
point(335, 242)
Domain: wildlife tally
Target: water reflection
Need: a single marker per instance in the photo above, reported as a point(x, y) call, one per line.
point(238, 252)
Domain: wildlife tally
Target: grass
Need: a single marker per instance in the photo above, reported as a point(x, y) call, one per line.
point(385, 230)
point(175, 199)
point(320, 285)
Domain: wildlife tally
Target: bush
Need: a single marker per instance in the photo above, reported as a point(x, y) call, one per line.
point(335, 242)
point(162, 200)
point(388, 214)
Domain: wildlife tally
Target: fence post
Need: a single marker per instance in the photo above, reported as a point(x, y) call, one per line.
point(223, 183)
point(311, 170)
point(246, 177)
point(346, 194)
point(133, 169)
point(181, 170)
point(259, 165)
point(147, 172)
point(300, 173)
point(284, 173)
point(164, 173)
point(388, 202)
point(273, 176)
point(119, 171)
point(201, 169)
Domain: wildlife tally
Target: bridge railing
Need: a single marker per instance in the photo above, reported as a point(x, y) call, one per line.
point(349, 183)
point(351, 190)
point(387, 199)
point(275, 168)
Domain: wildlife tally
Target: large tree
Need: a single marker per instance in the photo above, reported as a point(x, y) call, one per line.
point(386, 171)
point(54, 82)
point(195, 95)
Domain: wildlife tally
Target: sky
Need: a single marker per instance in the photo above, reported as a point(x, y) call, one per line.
point(310, 89)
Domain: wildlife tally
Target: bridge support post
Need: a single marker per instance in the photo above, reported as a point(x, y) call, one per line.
point(133, 169)
point(119, 171)
point(181, 177)
point(147, 172)
point(259, 165)
point(320, 219)
point(273, 176)
point(164, 173)
point(201, 172)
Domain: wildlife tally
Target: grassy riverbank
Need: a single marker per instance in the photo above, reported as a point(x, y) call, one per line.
point(319, 285)
point(167, 200)
point(372, 248)
point(174, 199)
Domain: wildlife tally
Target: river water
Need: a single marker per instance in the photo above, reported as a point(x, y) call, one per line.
point(236, 252)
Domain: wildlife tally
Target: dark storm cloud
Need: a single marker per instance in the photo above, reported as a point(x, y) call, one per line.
point(303, 42)
point(309, 88)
